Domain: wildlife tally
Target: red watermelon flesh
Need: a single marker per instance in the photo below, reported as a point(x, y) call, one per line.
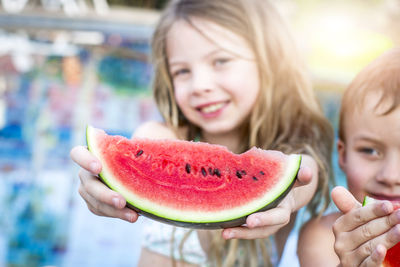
point(392, 258)
point(192, 184)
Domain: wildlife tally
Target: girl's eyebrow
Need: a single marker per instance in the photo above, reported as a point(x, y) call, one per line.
point(209, 54)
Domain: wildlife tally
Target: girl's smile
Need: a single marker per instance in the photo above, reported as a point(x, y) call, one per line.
point(211, 110)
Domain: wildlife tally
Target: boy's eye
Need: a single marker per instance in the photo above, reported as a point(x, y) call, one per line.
point(368, 151)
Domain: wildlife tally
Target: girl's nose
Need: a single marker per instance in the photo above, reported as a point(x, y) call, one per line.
point(390, 172)
point(202, 80)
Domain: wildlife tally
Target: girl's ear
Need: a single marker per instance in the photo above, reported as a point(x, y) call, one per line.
point(341, 148)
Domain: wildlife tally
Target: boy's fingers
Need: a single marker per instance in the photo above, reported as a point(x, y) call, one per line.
point(343, 199)
point(366, 222)
point(387, 240)
point(376, 226)
point(85, 159)
point(369, 231)
point(392, 237)
point(373, 259)
point(377, 256)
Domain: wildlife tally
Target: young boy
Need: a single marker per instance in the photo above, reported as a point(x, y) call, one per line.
point(369, 155)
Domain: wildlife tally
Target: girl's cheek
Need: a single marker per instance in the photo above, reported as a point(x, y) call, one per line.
point(178, 97)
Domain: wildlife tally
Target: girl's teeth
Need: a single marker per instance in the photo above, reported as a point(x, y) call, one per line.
point(212, 108)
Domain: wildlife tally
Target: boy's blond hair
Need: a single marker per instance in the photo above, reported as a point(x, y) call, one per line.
point(381, 78)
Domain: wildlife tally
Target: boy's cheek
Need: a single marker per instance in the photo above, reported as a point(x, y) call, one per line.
point(356, 184)
point(358, 194)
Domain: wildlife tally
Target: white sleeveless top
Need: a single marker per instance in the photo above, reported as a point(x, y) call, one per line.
point(157, 238)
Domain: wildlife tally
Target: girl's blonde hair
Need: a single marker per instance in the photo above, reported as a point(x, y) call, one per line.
point(286, 117)
point(381, 76)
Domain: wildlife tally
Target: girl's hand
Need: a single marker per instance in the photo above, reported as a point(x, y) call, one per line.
point(363, 234)
point(99, 198)
point(266, 223)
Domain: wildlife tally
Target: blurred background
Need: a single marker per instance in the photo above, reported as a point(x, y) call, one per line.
point(68, 63)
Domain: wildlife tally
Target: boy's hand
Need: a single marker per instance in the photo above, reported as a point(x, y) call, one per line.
point(363, 234)
point(266, 223)
point(99, 198)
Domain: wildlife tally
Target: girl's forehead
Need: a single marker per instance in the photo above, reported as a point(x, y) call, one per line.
point(201, 34)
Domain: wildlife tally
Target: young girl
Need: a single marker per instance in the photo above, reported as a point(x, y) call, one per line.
point(369, 154)
point(227, 72)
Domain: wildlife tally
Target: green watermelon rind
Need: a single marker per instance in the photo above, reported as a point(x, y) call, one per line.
point(368, 200)
point(192, 219)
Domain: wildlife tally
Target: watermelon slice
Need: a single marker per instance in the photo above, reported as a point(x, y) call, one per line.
point(392, 258)
point(192, 184)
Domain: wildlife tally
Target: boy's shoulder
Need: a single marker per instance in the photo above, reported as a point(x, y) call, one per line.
point(319, 226)
point(316, 241)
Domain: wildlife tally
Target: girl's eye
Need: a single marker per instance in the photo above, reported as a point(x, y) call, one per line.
point(221, 61)
point(180, 72)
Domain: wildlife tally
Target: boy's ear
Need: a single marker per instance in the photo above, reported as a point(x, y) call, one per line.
point(341, 148)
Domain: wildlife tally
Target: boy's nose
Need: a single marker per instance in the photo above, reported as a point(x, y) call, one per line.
point(390, 172)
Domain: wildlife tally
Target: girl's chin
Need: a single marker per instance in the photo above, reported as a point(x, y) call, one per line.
point(219, 132)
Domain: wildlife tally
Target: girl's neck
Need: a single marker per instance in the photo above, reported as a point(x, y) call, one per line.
point(230, 140)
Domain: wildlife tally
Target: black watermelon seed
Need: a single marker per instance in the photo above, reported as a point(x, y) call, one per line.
point(255, 178)
point(262, 173)
point(187, 167)
point(217, 172)
point(140, 152)
point(243, 172)
point(210, 171)
point(203, 171)
point(238, 174)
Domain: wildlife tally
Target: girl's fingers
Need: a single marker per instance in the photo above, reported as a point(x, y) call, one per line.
point(343, 199)
point(260, 224)
point(103, 201)
point(92, 186)
point(244, 232)
point(102, 209)
point(304, 176)
point(85, 159)
point(275, 216)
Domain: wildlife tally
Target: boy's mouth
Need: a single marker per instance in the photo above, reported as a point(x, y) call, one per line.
point(393, 198)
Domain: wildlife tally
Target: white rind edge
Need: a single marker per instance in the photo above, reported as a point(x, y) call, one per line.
point(196, 216)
